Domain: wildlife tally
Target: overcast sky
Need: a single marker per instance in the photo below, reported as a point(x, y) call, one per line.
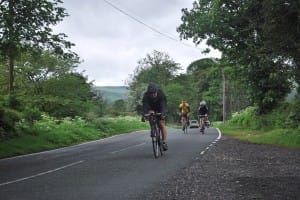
point(111, 42)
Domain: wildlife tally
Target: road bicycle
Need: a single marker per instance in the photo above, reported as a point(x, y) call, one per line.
point(202, 118)
point(156, 133)
point(186, 124)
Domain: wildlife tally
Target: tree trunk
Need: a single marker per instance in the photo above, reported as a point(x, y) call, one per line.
point(297, 76)
point(11, 75)
point(224, 95)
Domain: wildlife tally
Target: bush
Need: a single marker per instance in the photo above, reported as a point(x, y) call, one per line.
point(8, 119)
point(60, 108)
point(293, 118)
point(31, 115)
point(245, 118)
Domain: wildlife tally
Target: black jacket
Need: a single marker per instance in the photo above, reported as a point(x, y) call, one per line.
point(202, 110)
point(158, 104)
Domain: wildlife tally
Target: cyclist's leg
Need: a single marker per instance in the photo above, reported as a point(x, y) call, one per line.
point(201, 122)
point(162, 124)
point(182, 121)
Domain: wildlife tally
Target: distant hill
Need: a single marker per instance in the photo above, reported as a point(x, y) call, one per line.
point(112, 93)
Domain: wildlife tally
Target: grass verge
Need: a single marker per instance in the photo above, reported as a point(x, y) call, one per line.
point(289, 138)
point(48, 133)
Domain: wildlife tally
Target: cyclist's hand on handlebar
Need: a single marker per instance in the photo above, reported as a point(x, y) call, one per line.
point(151, 112)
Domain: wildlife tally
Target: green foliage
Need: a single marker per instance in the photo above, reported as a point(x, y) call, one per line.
point(33, 70)
point(118, 108)
point(49, 133)
point(245, 118)
point(13, 102)
point(279, 137)
point(277, 128)
point(241, 31)
point(293, 118)
point(284, 116)
point(61, 107)
point(26, 25)
point(157, 67)
point(8, 120)
point(175, 93)
point(9, 116)
point(68, 86)
point(31, 115)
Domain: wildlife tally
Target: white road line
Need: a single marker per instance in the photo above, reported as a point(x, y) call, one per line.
point(218, 138)
point(41, 174)
point(124, 149)
point(220, 134)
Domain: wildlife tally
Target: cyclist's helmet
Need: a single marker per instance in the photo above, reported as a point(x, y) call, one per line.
point(202, 103)
point(152, 88)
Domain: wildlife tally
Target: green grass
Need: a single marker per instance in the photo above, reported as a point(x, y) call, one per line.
point(50, 134)
point(279, 127)
point(289, 138)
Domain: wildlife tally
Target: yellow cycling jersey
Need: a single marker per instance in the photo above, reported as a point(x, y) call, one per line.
point(184, 108)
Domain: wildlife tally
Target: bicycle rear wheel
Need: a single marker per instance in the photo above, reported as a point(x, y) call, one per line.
point(185, 128)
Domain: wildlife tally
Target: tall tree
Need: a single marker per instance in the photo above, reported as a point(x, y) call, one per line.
point(281, 31)
point(26, 24)
point(157, 67)
point(32, 70)
point(237, 29)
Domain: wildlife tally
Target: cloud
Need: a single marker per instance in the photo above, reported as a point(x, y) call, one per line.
point(111, 41)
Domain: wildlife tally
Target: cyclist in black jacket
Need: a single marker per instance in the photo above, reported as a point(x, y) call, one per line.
point(202, 114)
point(155, 101)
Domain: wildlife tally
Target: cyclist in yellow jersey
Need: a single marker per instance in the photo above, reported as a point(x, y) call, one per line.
point(184, 108)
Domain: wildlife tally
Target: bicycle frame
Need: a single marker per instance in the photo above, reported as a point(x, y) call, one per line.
point(157, 134)
point(185, 123)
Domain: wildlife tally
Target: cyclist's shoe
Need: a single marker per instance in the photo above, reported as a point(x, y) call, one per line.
point(202, 130)
point(165, 146)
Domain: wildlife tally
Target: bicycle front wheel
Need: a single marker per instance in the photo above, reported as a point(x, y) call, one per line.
point(155, 143)
point(159, 139)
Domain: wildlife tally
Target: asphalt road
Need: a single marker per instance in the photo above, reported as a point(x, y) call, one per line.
point(120, 167)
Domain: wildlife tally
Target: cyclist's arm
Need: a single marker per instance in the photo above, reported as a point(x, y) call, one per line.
point(146, 105)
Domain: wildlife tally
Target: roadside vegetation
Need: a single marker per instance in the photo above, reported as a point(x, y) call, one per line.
point(281, 127)
point(50, 133)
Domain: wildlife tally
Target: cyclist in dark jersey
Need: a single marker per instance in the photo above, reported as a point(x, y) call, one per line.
point(155, 101)
point(202, 114)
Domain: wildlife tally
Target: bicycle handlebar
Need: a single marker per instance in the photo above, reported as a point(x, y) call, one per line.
point(157, 114)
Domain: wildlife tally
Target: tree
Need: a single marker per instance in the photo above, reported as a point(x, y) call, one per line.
point(237, 29)
point(32, 70)
point(281, 30)
point(65, 95)
point(26, 25)
point(157, 67)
